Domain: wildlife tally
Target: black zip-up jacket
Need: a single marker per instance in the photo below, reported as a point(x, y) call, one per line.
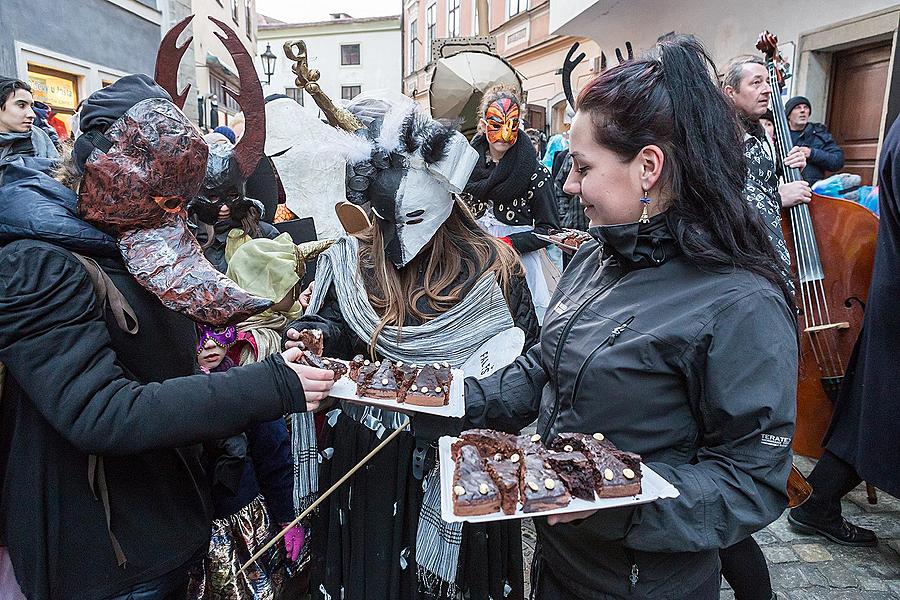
point(77, 385)
point(825, 154)
point(693, 369)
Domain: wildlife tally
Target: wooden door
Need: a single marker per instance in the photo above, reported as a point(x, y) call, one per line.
point(858, 81)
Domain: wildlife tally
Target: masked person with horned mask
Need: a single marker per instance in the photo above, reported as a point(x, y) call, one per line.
point(422, 284)
point(103, 493)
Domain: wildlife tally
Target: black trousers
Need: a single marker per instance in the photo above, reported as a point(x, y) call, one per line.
point(548, 587)
point(744, 568)
point(831, 480)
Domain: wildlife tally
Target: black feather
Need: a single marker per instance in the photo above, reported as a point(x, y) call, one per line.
point(408, 135)
point(436, 143)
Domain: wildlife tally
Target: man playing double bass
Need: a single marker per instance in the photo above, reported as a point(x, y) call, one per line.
point(746, 82)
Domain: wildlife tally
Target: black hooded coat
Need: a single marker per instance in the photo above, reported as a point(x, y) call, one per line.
point(865, 426)
point(78, 386)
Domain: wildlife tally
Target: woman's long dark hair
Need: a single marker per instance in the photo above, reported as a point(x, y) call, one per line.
point(669, 98)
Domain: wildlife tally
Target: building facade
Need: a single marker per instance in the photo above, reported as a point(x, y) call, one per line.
point(843, 54)
point(352, 55)
point(67, 50)
point(521, 30)
point(214, 69)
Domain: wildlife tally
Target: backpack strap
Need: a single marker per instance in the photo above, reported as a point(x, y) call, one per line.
point(109, 295)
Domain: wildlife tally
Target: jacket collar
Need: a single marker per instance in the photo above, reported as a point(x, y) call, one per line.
point(638, 245)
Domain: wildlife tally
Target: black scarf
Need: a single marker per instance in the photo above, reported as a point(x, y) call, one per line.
point(507, 179)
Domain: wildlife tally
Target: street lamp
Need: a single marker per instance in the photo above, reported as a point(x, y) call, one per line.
point(268, 60)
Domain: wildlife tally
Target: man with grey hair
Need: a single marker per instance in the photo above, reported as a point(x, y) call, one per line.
point(746, 83)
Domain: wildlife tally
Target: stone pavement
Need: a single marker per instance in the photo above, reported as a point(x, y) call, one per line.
point(809, 567)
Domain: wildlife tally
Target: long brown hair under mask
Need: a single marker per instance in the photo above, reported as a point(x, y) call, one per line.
point(458, 246)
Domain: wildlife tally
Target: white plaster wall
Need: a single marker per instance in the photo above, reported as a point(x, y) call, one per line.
point(380, 63)
point(727, 27)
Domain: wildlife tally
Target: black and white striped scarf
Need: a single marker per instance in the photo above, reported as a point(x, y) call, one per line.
point(452, 337)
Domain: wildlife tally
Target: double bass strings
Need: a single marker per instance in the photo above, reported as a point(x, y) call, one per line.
point(812, 290)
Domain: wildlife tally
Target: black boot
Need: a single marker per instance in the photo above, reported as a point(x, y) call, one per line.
point(841, 531)
point(831, 480)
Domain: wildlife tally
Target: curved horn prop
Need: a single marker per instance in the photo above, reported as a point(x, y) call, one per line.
point(168, 57)
point(569, 65)
point(308, 79)
point(249, 149)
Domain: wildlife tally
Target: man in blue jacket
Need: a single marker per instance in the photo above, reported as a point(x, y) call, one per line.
point(821, 151)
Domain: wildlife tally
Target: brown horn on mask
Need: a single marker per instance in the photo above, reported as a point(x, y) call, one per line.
point(167, 60)
point(168, 262)
point(249, 150)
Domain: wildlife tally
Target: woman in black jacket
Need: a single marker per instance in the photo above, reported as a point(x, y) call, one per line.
point(672, 334)
point(510, 192)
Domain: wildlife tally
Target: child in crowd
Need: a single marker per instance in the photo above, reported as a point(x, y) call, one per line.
point(252, 493)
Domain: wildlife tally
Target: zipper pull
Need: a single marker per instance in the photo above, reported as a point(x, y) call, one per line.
point(633, 578)
point(618, 330)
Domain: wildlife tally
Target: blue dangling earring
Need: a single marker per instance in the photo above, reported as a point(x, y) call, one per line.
point(645, 200)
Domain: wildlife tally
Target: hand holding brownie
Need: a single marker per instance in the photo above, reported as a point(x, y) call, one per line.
point(316, 382)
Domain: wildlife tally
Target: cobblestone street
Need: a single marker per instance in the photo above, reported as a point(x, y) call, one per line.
point(808, 567)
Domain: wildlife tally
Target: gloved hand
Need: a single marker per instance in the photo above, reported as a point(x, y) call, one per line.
point(293, 541)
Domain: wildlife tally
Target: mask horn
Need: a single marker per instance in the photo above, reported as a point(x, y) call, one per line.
point(167, 60)
point(569, 65)
point(249, 149)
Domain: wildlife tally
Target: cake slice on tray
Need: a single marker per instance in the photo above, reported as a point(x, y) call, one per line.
point(382, 384)
point(426, 389)
point(576, 471)
point(474, 492)
point(506, 476)
point(540, 487)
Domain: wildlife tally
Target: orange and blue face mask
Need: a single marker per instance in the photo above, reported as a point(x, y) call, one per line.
point(502, 118)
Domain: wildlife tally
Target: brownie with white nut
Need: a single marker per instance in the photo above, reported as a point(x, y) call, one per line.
point(474, 492)
point(539, 486)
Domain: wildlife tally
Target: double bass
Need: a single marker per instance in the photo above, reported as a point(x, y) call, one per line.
point(832, 247)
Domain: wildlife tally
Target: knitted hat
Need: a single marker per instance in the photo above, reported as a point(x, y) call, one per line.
point(795, 102)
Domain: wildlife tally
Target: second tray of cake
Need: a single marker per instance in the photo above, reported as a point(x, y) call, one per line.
point(492, 476)
point(403, 387)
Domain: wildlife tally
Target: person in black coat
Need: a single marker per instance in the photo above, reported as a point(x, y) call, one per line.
point(103, 491)
point(861, 443)
point(671, 332)
point(814, 140)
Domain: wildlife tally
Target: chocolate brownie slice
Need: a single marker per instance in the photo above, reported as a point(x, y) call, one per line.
point(426, 389)
point(505, 474)
point(474, 492)
point(581, 442)
point(313, 340)
point(576, 471)
point(383, 383)
point(540, 487)
point(355, 365)
point(335, 365)
point(489, 442)
point(364, 376)
point(616, 478)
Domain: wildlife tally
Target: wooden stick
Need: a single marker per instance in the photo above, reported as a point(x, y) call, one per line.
point(327, 493)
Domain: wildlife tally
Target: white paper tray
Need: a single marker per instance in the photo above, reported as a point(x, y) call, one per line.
point(345, 389)
point(653, 488)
